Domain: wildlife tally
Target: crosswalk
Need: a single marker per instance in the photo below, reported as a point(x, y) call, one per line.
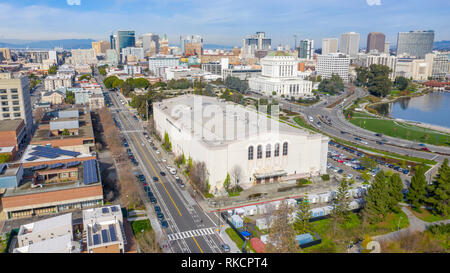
point(190, 233)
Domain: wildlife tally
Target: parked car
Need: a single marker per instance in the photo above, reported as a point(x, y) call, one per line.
point(164, 224)
point(425, 149)
point(155, 178)
point(160, 215)
point(225, 247)
point(157, 209)
point(153, 200)
point(162, 173)
point(405, 171)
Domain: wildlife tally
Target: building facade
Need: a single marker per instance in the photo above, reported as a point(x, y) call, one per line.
point(83, 56)
point(100, 47)
point(252, 43)
point(15, 99)
point(279, 76)
point(329, 45)
point(306, 49)
point(376, 41)
point(54, 82)
point(349, 43)
point(415, 43)
point(335, 63)
point(283, 153)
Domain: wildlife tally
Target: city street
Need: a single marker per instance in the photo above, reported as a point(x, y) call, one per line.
point(190, 229)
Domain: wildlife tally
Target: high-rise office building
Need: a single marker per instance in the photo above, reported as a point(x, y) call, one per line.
point(15, 99)
point(349, 43)
point(6, 53)
point(375, 41)
point(306, 49)
point(125, 38)
point(100, 47)
point(190, 39)
point(112, 41)
point(252, 43)
point(415, 43)
point(150, 43)
point(387, 48)
point(438, 62)
point(333, 63)
point(164, 46)
point(329, 45)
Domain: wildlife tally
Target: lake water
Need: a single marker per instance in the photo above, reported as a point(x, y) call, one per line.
point(432, 108)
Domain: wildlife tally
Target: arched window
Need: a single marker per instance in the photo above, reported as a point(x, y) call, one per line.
point(250, 153)
point(277, 149)
point(268, 150)
point(259, 152)
point(285, 148)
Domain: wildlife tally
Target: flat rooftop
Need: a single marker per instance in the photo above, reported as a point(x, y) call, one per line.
point(46, 224)
point(60, 244)
point(85, 129)
point(240, 122)
point(10, 125)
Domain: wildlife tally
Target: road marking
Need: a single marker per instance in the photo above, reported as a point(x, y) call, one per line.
point(156, 173)
point(197, 244)
point(190, 233)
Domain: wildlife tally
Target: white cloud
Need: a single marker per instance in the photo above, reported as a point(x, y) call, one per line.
point(373, 2)
point(73, 2)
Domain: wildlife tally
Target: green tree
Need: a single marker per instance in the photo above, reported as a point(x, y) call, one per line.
point(102, 70)
point(226, 183)
point(362, 75)
point(4, 158)
point(141, 83)
point(368, 163)
point(52, 70)
point(401, 83)
point(395, 187)
point(379, 82)
point(85, 76)
point(167, 144)
point(439, 191)
point(340, 203)
point(109, 81)
point(377, 201)
point(303, 215)
point(70, 97)
point(117, 83)
point(417, 191)
point(65, 132)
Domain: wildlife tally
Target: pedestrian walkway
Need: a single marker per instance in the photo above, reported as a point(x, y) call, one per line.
point(190, 233)
point(227, 240)
point(415, 225)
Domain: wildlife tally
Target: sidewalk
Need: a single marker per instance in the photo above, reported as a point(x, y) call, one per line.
point(415, 225)
point(227, 240)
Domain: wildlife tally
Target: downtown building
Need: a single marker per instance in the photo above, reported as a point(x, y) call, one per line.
point(334, 63)
point(83, 57)
point(415, 43)
point(100, 47)
point(306, 49)
point(253, 43)
point(279, 75)
point(150, 44)
point(235, 139)
point(349, 44)
point(376, 41)
point(329, 45)
point(15, 99)
point(367, 60)
point(191, 45)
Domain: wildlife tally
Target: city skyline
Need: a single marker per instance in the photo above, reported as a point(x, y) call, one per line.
point(218, 21)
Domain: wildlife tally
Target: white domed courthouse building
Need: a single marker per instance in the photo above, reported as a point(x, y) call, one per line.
point(227, 136)
point(279, 75)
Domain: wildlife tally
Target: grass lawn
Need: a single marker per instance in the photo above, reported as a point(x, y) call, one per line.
point(352, 230)
point(140, 225)
point(300, 121)
point(427, 216)
point(239, 243)
point(402, 130)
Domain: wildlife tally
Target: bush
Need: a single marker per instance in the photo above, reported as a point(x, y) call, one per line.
point(303, 181)
point(325, 177)
point(140, 225)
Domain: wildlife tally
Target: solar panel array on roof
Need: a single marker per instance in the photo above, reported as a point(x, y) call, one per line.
point(112, 233)
point(44, 154)
point(90, 172)
point(105, 236)
point(96, 238)
point(32, 158)
point(57, 165)
point(114, 209)
point(40, 167)
point(72, 164)
point(105, 210)
point(55, 151)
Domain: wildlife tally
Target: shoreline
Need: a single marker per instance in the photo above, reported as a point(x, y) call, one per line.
point(439, 128)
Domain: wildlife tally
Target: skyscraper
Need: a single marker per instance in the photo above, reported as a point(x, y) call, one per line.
point(306, 49)
point(329, 45)
point(150, 43)
point(190, 39)
point(415, 43)
point(375, 41)
point(252, 43)
point(349, 43)
point(125, 38)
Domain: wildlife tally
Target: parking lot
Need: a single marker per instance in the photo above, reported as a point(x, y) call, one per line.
point(345, 160)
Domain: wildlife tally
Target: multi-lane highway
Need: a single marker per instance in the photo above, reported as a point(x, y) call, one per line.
point(190, 229)
point(339, 125)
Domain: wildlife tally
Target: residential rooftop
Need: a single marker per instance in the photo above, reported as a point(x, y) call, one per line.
point(10, 125)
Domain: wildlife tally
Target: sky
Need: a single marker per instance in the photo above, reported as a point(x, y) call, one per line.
point(223, 22)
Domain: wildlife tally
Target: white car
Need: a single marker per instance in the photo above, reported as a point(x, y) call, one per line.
point(163, 160)
point(157, 152)
point(349, 176)
point(364, 142)
point(173, 171)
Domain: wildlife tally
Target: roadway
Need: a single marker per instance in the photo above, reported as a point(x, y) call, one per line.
point(190, 230)
point(339, 124)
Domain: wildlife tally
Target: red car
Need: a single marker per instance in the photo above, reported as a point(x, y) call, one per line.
point(340, 161)
point(425, 149)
